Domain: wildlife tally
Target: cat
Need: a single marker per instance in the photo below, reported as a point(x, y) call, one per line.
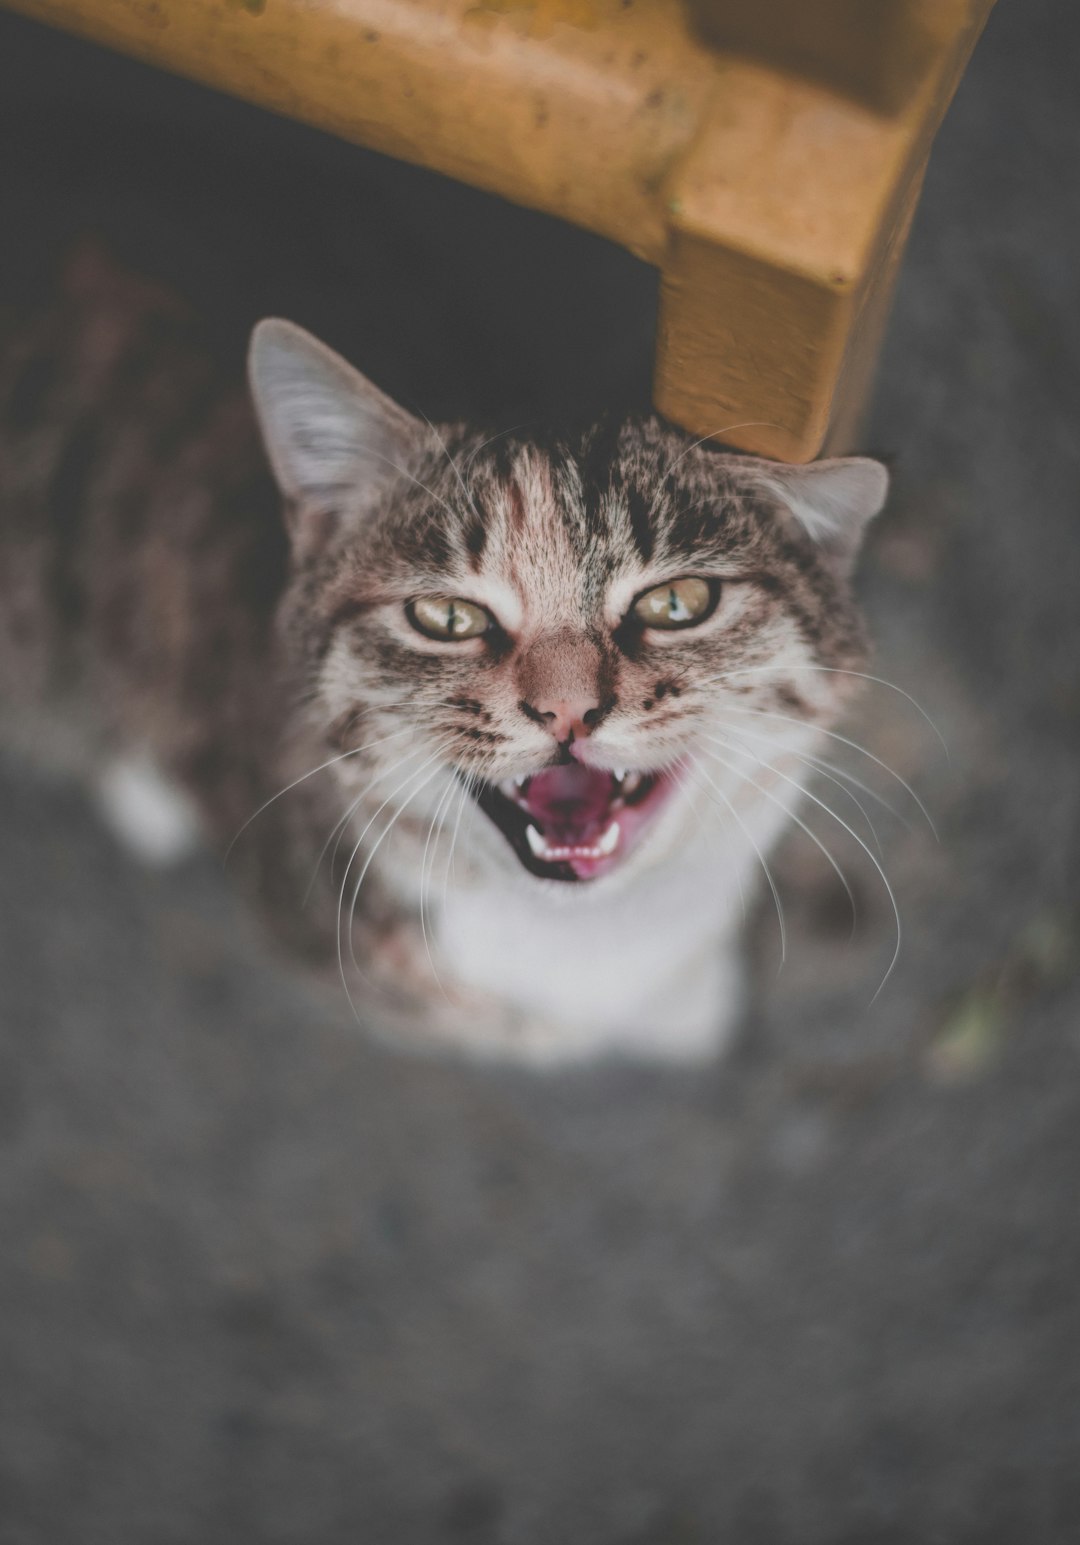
point(498, 727)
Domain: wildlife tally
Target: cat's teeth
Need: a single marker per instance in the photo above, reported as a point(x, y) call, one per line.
point(609, 841)
point(619, 774)
point(521, 780)
point(551, 854)
point(631, 782)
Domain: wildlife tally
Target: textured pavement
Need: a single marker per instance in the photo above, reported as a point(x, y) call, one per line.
point(261, 1280)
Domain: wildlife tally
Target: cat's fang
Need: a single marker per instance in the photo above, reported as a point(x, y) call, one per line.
point(609, 841)
point(515, 788)
point(536, 842)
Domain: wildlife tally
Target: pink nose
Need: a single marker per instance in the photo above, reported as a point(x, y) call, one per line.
point(564, 720)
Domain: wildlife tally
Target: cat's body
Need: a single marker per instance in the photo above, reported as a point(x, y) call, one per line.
point(556, 692)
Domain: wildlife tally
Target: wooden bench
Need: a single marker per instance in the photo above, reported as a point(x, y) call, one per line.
point(765, 155)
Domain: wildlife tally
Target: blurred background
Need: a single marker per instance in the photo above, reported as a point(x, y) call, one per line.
point(263, 1280)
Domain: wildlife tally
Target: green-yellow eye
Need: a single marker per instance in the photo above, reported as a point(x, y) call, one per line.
point(448, 618)
point(680, 603)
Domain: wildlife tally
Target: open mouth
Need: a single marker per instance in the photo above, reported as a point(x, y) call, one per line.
point(573, 822)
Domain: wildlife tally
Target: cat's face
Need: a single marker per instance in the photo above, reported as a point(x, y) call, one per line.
point(569, 652)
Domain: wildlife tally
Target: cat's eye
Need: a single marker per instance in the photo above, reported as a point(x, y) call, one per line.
point(679, 603)
point(448, 618)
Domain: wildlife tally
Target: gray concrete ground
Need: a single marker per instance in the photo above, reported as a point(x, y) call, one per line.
point(263, 1281)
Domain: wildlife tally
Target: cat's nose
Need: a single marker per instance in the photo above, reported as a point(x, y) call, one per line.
point(567, 719)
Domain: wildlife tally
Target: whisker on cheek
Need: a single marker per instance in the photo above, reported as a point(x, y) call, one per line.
point(716, 789)
point(754, 759)
point(332, 761)
point(430, 773)
point(806, 793)
point(835, 670)
point(426, 873)
point(338, 830)
point(843, 740)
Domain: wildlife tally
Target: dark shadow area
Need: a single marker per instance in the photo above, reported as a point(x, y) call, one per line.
point(447, 297)
point(263, 1281)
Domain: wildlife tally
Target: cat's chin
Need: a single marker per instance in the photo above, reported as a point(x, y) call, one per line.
point(576, 824)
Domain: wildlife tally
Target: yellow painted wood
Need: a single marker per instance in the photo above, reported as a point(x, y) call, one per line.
point(774, 205)
point(878, 51)
point(788, 221)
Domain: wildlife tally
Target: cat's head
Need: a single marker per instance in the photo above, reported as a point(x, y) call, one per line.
point(569, 649)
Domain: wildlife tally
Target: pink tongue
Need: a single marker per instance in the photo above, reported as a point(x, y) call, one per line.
point(571, 803)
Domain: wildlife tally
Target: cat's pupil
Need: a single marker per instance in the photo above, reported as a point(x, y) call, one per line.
point(678, 604)
point(448, 618)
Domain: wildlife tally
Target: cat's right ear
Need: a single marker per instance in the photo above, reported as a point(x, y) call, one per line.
point(335, 442)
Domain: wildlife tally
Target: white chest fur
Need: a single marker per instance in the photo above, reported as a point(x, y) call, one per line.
point(646, 970)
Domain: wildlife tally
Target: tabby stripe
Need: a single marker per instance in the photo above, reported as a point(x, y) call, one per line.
point(640, 526)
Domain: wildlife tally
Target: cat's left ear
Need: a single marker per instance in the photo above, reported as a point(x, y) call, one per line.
point(335, 442)
point(832, 500)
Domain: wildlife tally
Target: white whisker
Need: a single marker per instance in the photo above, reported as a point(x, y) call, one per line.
point(374, 849)
point(710, 835)
point(415, 480)
point(835, 670)
point(426, 873)
point(755, 423)
point(466, 793)
point(453, 464)
point(844, 740)
point(434, 757)
point(471, 457)
point(343, 756)
point(339, 826)
point(827, 770)
point(791, 815)
point(835, 772)
point(855, 838)
point(761, 857)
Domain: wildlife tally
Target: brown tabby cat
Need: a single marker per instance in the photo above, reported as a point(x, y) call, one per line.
point(519, 717)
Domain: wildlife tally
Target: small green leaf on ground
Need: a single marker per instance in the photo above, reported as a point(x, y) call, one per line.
point(969, 1039)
